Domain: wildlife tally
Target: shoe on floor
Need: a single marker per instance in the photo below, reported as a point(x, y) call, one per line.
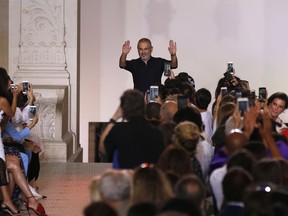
point(35, 193)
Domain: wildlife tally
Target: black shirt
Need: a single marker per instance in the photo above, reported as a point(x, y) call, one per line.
point(136, 141)
point(145, 75)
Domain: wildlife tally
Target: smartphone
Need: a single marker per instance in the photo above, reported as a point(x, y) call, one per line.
point(25, 85)
point(224, 91)
point(242, 104)
point(167, 69)
point(230, 67)
point(262, 94)
point(238, 94)
point(153, 93)
point(32, 112)
point(182, 101)
point(252, 93)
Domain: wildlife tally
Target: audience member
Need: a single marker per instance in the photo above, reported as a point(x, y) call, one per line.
point(234, 186)
point(99, 209)
point(94, 189)
point(152, 113)
point(167, 129)
point(268, 170)
point(277, 103)
point(265, 199)
point(144, 143)
point(168, 110)
point(33, 148)
point(187, 135)
point(234, 142)
point(204, 149)
point(6, 111)
point(180, 207)
point(150, 185)
point(192, 188)
point(202, 100)
point(143, 209)
point(115, 187)
point(175, 159)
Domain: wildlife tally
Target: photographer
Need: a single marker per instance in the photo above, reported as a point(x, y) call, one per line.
point(233, 84)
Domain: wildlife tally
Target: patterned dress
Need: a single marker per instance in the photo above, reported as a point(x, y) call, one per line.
point(3, 171)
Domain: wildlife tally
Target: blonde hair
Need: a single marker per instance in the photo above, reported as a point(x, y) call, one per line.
point(187, 134)
point(94, 189)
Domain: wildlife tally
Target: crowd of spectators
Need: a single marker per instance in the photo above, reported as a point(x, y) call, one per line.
point(172, 159)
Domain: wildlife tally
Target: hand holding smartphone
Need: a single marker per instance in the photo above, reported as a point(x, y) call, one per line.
point(242, 104)
point(32, 112)
point(26, 86)
point(154, 93)
point(167, 69)
point(262, 94)
point(224, 91)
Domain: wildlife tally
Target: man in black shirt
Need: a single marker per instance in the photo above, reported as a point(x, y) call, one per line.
point(134, 141)
point(146, 70)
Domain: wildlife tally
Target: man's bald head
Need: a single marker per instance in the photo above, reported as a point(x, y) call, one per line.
point(168, 110)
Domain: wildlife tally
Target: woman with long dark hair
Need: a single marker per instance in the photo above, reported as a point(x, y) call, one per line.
point(13, 162)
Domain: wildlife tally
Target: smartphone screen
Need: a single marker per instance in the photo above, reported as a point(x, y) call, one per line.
point(167, 69)
point(224, 91)
point(242, 104)
point(25, 85)
point(32, 112)
point(238, 94)
point(154, 93)
point(182, 102)
point(262, 94)
point(230, 67)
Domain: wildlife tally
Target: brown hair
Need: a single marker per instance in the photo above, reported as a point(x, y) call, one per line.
point(151, 185)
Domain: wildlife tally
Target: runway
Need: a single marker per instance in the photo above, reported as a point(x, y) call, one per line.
point(66, 186)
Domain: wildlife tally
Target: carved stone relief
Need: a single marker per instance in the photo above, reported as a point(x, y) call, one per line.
point(42, 33)
point(46, 108)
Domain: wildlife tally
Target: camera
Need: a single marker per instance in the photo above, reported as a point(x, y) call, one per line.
point(229, 72)
point(13, 87)
point(230, 67)
point(153, 93)
point(32, 112)
point(167, 69)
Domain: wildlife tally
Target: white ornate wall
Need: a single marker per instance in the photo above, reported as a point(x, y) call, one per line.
point(208, 34)
point(44, 52)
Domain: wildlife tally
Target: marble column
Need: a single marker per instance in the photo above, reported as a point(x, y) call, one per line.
point(45, 61)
